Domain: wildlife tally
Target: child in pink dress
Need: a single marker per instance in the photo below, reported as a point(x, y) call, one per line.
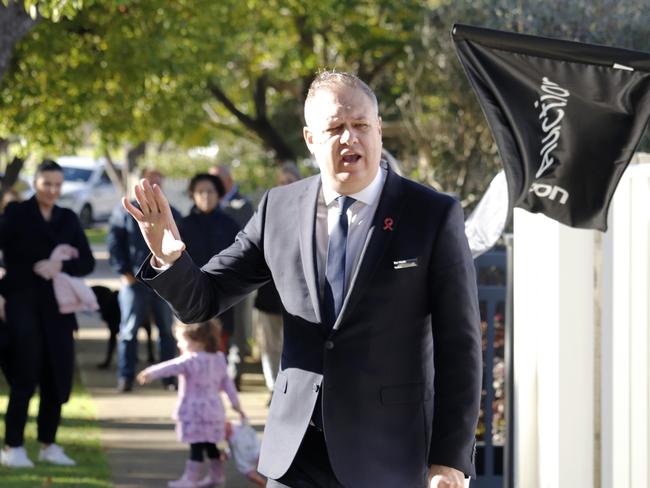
point(200, 415)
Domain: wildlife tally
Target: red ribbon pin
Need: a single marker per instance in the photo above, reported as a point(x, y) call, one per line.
point(388, 224)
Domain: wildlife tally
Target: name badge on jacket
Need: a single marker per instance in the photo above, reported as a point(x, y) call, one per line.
point(405, 263)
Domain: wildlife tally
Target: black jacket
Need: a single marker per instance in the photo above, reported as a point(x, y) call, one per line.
point(205, 235)
point(25, 238)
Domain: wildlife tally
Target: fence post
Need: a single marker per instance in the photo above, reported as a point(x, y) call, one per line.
point(553, 353)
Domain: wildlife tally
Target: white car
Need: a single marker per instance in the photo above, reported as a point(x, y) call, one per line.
point(87, 189)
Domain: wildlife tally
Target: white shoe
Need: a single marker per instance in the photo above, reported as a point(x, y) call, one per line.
point(15, 457)
point(54, 454)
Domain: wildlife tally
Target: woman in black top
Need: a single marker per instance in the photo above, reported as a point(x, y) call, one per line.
point(207, 230)
point(41, 344)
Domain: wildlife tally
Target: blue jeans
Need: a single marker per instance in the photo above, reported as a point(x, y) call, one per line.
point(137, 303)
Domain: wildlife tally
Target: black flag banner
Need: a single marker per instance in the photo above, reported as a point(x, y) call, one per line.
point(566, 117)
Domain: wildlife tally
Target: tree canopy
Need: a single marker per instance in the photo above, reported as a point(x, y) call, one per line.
point(193, 72)
point(150, 70)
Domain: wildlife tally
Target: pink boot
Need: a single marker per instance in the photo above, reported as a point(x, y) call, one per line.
point(215, 475)
point(191, 476)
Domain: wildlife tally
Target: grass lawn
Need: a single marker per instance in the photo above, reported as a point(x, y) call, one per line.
point(78, 434)
point(97, 235)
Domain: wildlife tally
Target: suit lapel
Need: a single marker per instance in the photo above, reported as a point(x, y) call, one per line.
point(379, 235)
point(307, 233)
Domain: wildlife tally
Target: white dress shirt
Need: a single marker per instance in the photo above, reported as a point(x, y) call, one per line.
point(360, 215)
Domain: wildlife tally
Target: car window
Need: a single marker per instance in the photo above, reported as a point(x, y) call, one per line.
point(76, 174)
point(105, 180)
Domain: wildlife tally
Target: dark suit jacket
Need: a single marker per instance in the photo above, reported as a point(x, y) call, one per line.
point(32, 310)
point(268, 299)
point(400, 372)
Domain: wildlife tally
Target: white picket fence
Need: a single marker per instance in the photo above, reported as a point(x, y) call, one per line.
point(582, 346)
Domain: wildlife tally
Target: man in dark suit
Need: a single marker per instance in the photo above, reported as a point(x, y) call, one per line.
point(381, 366)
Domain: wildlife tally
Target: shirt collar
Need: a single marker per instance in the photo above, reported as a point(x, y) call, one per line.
point(367, 196)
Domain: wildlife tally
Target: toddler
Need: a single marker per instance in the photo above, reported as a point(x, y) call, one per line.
point(200, 415)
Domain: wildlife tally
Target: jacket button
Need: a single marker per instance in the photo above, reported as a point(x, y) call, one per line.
point(316, 387)
point(329, 345)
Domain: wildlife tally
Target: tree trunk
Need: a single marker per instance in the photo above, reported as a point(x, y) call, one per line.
point(260, 125)
point(4, 146)
point(11, 174)
point(134, 154)
point(114, 174)
point(272, 140)
point(14, 24)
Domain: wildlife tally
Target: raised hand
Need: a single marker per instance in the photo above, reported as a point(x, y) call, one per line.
point(156, 222)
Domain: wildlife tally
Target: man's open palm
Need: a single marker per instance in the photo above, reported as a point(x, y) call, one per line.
point(156, 222)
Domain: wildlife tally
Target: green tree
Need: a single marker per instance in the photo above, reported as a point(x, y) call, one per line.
point(150, 70)
point(445, 139)
point(14, 24)
point(17, 18)
point(190, 72)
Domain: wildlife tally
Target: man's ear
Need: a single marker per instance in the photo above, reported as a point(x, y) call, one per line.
point(309, 138)
point(379, 118)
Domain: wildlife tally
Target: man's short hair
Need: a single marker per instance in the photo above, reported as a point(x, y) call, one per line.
point(329, 80)
point(48, 165)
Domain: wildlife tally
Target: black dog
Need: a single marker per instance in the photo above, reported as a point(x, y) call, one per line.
point(109, 309)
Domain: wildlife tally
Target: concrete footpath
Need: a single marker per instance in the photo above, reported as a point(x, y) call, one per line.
point(136, 429)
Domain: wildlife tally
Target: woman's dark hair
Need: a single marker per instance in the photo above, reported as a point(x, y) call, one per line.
point(48, 165)
point(207, 333)
point(215, 180)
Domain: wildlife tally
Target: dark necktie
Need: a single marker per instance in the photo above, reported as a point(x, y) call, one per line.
point(335, 267)
point(334, 282)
